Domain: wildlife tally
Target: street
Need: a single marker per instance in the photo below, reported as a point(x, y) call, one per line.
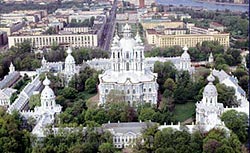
point(109, 29)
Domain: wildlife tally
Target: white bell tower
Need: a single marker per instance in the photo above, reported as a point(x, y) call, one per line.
point(70, 66)
point(185, 61)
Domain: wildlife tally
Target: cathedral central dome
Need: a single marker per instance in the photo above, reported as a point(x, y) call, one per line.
point(210, 89)
point(47, 92)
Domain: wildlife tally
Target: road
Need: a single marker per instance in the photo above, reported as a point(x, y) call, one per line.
point(109, 28)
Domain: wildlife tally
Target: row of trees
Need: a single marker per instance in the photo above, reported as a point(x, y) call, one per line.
point(236, 24)
point(15, 138)
point(78, 113)
point(81, 140)
point(86, 23)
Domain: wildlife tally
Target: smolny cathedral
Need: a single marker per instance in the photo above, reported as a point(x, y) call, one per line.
point(128, 71)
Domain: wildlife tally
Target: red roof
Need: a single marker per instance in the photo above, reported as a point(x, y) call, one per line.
point(216, 24)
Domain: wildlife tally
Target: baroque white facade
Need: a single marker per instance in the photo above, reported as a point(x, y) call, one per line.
point(128, 73)
point(182, 62)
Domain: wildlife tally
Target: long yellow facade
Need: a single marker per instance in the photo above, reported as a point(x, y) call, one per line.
point(166, 24)
point(191, 40)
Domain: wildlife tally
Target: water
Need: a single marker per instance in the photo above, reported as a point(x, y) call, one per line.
point(209, 6)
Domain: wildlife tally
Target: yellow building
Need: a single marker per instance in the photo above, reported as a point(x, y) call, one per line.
point(191, 40)
point(149, 24)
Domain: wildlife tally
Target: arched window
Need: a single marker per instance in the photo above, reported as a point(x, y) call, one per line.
point(128, 92)
point(113, 55)
point(118, 55)
point(127, 55)
point(127, 66)
point(136, 54)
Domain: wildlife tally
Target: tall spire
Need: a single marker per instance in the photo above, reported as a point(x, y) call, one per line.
point(11, 68)
point(185, 48)
point(44, 61)
point(46, 81)
point(69, 51)
point(127, 31)
point(211, 58)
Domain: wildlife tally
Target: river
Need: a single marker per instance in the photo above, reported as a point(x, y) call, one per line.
point(206, 5)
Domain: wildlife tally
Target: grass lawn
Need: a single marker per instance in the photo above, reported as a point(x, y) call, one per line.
point(183, 112)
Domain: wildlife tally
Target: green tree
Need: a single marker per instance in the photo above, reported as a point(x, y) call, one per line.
point(34, 101)
point(106, 148)
point(90, 85)
point(170, 87)
point(146, 114)
point(237, 122)
point(226, 95)
point(69, 93)
point(164, 71)
point(13, 137)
